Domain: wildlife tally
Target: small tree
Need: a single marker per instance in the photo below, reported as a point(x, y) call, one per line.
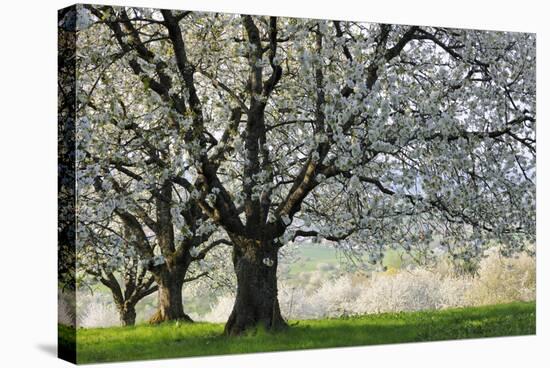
point(108, 256)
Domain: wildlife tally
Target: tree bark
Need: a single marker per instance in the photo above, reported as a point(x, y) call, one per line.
point(170, 299)
point(256, 303)
point(127, 314)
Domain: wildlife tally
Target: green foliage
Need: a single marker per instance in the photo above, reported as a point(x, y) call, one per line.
point(172, 340)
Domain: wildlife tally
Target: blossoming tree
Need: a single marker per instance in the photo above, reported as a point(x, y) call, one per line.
point(282, 128)
point(108, 256)
point(124, 162)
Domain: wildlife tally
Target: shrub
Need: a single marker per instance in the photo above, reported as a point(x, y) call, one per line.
point(99, 315)
point(502, 280)
point(413, 290)
point(65, 309)
point(221, 310)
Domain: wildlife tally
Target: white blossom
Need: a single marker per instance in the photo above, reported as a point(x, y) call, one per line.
point(194, 251)
point(286, 219)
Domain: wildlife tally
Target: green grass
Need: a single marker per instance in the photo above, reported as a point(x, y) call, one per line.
point(172, 340)
point(66, 343)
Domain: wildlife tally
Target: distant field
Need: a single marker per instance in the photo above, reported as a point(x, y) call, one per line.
point(311, 256)
point(173, 340)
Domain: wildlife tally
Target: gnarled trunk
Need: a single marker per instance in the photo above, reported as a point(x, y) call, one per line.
point(127, 313)
point(170, 299)
point(256, 303)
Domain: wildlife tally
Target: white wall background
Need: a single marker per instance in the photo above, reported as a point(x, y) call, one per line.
point(28, 182)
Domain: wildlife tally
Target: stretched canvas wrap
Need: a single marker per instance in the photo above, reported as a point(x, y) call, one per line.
point(234, 183)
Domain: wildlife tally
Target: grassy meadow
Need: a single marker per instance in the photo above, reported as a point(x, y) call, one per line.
point(172, 340)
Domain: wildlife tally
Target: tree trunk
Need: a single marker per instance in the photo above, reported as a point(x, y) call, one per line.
point(127, 314)
point(256, 303)
point(170, 299)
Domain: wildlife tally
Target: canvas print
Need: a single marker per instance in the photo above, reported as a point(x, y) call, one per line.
point(233, 183)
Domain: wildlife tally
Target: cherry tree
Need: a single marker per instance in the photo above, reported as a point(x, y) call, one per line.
point(118, 233)
point(125, 160)
point(66, 160)
point(108, 256)
point(279, 129)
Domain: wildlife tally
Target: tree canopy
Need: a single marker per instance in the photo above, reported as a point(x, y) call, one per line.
point(256, 131)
